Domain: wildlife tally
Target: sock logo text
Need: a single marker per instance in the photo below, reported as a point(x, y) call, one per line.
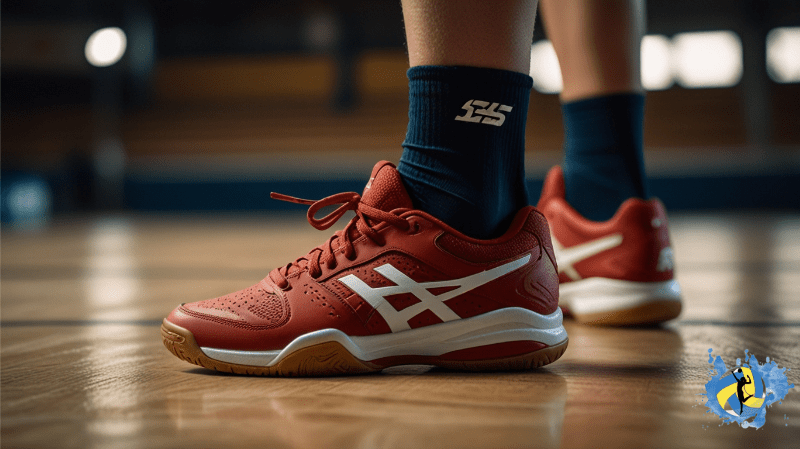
point(486, 115)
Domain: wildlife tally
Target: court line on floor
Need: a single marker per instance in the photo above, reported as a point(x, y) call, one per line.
point(28, 273)
point(157, 322)
point(207, 273)
point(736, 323)
point(40, 323)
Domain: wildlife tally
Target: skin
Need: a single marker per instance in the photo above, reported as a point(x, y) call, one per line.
point(597, 41)
point(476, 33)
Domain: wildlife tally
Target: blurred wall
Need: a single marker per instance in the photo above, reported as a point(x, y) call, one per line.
point(200, 82)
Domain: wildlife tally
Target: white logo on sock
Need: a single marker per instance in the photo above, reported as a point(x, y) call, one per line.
point(398, 320)
point(486, 115)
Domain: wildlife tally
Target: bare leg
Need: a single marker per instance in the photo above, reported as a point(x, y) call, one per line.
point(597, 43)
point(473, 33)
point(463, 158)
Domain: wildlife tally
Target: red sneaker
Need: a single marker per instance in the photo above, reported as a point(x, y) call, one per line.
point(396, 286)
point(617, 272)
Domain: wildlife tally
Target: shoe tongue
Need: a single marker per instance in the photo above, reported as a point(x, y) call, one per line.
point(385, 190)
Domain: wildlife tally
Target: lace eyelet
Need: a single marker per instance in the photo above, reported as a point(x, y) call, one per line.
point(413, 228)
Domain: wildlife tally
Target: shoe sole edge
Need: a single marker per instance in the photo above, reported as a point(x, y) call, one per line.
point(615, 302)
point(332, 358)
point(654, 312)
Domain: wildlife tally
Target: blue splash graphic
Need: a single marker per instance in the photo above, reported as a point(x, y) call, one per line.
point(769, 385)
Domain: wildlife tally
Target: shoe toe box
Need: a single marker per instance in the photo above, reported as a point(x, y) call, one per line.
point(235, 320)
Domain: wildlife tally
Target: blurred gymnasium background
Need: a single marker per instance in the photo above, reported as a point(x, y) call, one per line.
point(205, 106)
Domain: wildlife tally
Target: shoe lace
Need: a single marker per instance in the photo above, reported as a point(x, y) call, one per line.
point(366, 217)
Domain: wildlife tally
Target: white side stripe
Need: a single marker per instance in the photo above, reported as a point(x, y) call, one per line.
point(398, 321)
point(568, 257)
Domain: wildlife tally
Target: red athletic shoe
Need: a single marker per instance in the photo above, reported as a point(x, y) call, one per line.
point(617, 272)
point(396, 286)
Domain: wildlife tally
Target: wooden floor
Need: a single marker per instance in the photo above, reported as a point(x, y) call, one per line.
point(83, 364)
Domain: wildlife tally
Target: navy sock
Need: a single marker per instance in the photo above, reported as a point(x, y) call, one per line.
point(603, 161)
point(464, 153)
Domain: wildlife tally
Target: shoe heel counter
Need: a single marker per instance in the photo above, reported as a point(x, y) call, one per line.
point(665, 256)
point(648, 241)
point(540, 228)
point(541, 280)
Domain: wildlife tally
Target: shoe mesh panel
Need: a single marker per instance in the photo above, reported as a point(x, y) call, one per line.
point(316, 296)
point(265, 305)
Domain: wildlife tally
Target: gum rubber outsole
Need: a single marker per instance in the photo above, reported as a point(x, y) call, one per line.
point(332, 359)
point(653, 312)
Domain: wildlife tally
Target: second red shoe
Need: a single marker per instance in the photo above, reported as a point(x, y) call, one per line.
point(395, 286)
point(616, 272)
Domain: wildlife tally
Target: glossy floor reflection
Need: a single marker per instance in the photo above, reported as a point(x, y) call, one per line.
point(83, 364)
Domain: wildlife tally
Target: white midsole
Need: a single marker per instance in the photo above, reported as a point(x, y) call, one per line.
point(499, 326)
point(600, 295)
